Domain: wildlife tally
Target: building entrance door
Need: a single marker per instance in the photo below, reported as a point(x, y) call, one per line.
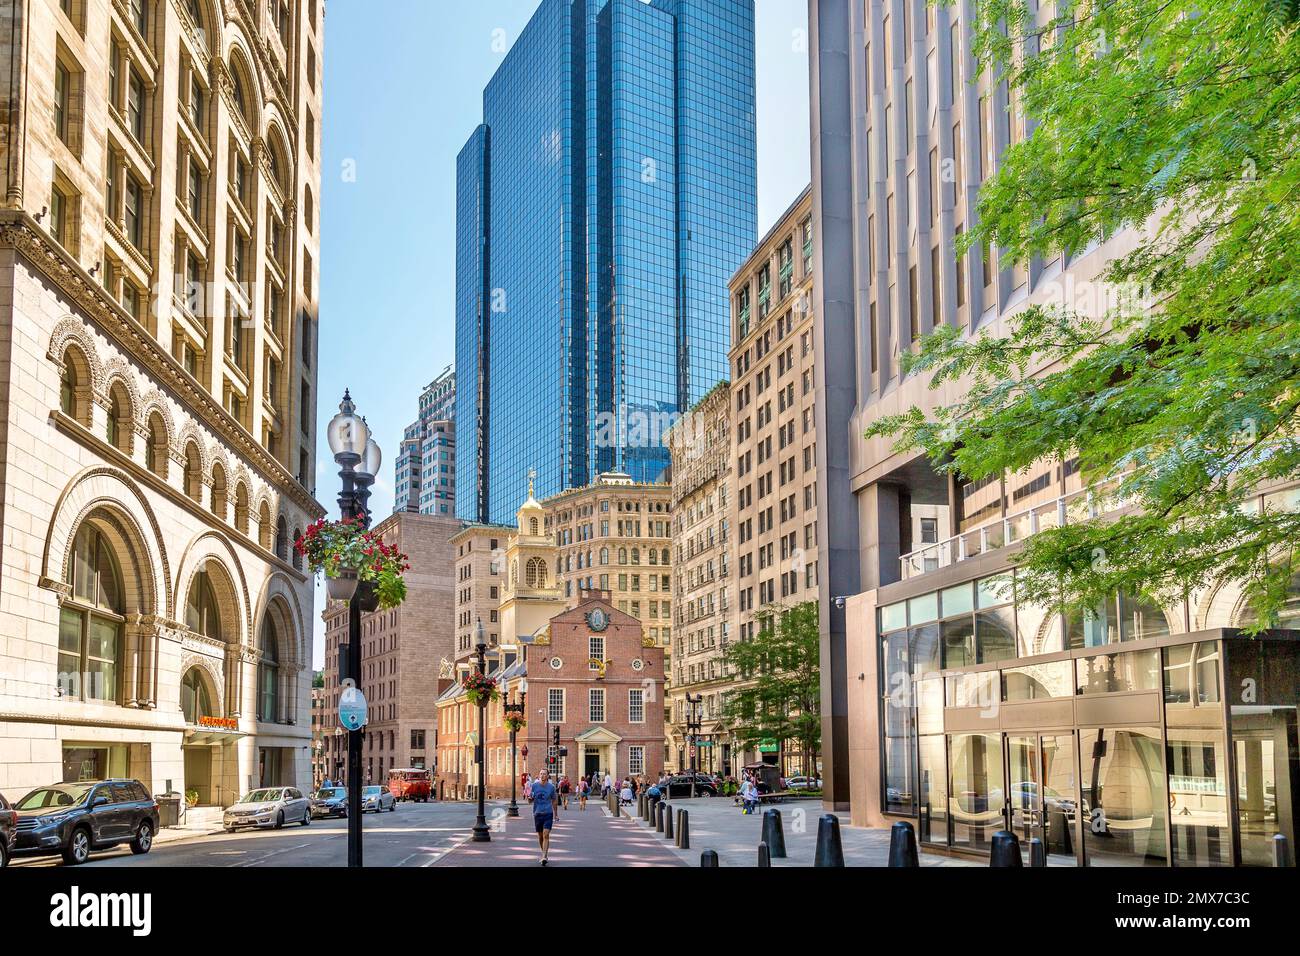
point(198, 773)
point(1043, 793)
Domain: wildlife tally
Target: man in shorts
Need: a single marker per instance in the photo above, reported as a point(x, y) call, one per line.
point(545, 799)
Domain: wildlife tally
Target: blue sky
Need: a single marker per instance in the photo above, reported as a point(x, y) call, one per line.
point(403, 90)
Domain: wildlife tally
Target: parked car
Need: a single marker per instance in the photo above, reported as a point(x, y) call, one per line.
point(268, 807)
point(680, 786)
point(8, 830)
point(330, 802)
point(377, 799)
point(800, 782)
point(76, 818)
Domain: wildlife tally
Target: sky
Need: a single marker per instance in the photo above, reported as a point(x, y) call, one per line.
point(403, 90)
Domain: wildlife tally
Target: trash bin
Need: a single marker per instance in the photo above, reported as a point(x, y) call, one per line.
point(169, 809)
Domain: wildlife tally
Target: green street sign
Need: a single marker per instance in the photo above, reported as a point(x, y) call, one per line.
point(769, 747)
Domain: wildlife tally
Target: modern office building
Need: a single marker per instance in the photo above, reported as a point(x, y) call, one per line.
point(1130, 735)
point(602, 205)
point(158, 291)
point(424, 475)
point(402, 652)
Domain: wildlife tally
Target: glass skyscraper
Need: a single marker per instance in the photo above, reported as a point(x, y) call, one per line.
point(602, 207)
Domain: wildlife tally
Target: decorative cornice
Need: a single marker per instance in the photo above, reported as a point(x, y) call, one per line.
point(19, 231)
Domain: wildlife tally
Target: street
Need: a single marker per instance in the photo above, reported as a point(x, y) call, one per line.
point(417, 834)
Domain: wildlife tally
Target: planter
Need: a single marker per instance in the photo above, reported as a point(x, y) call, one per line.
point(343, 587)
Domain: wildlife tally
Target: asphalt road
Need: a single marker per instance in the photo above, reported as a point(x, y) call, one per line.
point(417, 834)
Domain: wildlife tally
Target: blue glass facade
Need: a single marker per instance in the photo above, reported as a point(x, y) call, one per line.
point(617, 168)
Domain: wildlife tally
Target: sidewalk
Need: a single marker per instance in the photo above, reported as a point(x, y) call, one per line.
point(716, 824)
point(588, 837)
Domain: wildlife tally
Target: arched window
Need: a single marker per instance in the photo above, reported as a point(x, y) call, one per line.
point(241, 508)
point(237, 88)
point(268, 673)
point(219, 492)
point(604, 555)
point(297, 558)
point(74, 386)
point(90, 620)
point(155, 451)
point(535, 573)
point(1287, 617)
point(118, 429)
point(532, 526)
point(663, 557)
point(636, 555)
point(202, 613)
point(281, 539)
point(196, 702)
point(622, 555)
point(264, 534)
point(193, 472)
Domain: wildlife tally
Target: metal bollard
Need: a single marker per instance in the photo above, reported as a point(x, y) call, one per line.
point(1281, 851)
point(764, 858)
point(1037, 852)
point(709, 859)
point(684, 830)
point(668, 823)
point(774, 834)
point(659, 816)
point(1005, 850)
point(902, 845)
point(829, 850)
point(640, 805)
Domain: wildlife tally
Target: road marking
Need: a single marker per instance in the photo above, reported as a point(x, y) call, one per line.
point(267, 856)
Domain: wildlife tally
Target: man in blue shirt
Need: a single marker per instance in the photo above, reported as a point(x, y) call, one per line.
point(545, 798)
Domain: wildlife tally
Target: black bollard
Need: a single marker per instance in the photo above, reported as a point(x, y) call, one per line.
point(659, 816)
point(668, 823)
point(829, 850)
point(1037, 852)
point(774, 834)
point(764, 858)
point(709, 859)
point(902, 845)
point(1005, 850)
point(640, 805)
point(1281, 850)
point(684, 830)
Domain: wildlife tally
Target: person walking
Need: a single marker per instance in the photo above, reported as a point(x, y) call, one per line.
point(609, 785)
point(565, 787)
point(583, 788)
point(546, 799)
point(528, 788)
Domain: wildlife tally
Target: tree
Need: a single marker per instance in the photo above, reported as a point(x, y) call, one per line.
point(779, 697)
point(1177, 119)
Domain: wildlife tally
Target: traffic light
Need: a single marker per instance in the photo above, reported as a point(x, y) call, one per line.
point(555, 737)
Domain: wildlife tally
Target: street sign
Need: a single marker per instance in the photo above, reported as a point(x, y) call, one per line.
point(352, 707)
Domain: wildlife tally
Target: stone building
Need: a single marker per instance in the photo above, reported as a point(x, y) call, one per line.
point(158, 289)
point(703, 581)
point(401, 653)
point(480, 564)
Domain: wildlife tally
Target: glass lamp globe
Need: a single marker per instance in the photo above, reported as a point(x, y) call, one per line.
point(372, 459)
point(347, 431)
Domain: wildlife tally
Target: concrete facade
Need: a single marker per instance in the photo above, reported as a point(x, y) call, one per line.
point(158, 431)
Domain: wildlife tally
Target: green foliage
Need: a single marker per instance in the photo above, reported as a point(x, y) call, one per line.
point(783, 702)
point(1178, 120)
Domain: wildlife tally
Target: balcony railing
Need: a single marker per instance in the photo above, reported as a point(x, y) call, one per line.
point(1086, 504)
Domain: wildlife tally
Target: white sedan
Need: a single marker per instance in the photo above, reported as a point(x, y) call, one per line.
point(268, 807)
point(377, 799)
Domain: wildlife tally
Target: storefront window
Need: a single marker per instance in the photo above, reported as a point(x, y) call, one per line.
point(1124, 797)
point(978, 797)
point(933, 776)
point(1119, 673)
point(900, 728)
point(958, 639)
point(1038, 681)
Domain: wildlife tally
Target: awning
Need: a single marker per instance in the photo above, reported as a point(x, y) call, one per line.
point(206, 736)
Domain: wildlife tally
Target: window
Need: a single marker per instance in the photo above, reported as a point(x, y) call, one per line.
point(134, 220)
point(636, 705)
point(90, 621)
point(555, 705)
point(62, 101)
point(929, 530)
point(636, 760)
point(135, 98)
point(195, 700)
point(596, 653)
point(268, 673)
point(202, 614)
point(194, 191)
point(61, 206)
point(596, 704)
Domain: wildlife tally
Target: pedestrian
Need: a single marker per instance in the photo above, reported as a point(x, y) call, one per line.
point(565, 786)
point(583, 788)
point(609, 785)
point(528, 788)
point(546, 800)
point(626, 796)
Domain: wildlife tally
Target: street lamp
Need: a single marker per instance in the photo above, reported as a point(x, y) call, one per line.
point(358, 458)
point(481, 832)
point(515, 710)
point(693, 731)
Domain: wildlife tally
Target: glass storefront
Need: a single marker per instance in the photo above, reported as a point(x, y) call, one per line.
point(1178, 751)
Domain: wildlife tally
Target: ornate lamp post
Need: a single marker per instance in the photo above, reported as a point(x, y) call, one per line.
point(515, 710)
point(693, 731)
point(481, 832)
point(358, 458)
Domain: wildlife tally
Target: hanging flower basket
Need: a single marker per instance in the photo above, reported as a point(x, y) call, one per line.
point(348, 554)
point(515, 722)
point(480, 689)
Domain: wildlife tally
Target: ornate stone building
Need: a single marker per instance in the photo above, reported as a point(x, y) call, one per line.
point(157, 390)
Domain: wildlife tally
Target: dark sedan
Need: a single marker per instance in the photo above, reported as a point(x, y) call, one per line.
point(330, 802)
point(679, 787)
point(8, 830)
point(74, 819)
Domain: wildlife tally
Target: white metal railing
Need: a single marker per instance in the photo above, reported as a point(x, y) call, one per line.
point(1083, 505)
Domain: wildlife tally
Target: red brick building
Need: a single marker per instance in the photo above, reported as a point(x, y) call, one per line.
point(592, 673)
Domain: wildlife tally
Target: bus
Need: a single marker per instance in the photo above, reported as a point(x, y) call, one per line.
point(410, 783)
